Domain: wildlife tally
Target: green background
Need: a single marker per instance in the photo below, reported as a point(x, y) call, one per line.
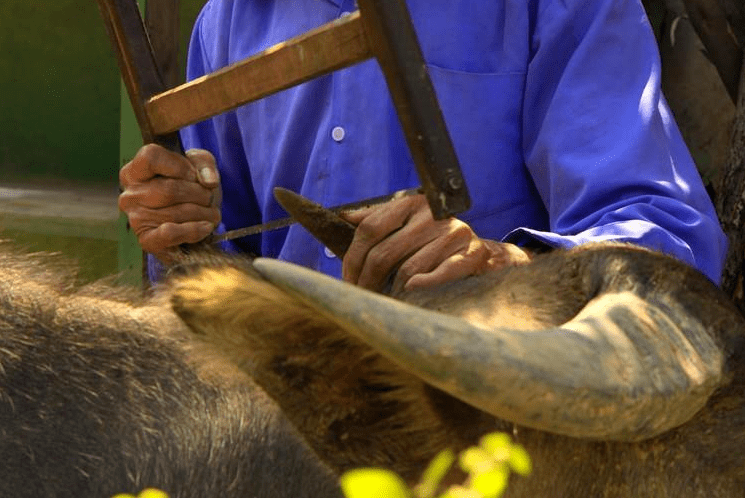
point(64, 121)
point(60, 90)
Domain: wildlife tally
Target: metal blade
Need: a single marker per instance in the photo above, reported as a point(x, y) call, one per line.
point(285, 222)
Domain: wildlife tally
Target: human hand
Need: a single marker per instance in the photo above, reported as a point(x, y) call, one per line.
point(402, 236)
point(170, 199)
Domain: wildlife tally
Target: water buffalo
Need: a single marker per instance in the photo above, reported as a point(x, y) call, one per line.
point(620, 370)
point(102, 394)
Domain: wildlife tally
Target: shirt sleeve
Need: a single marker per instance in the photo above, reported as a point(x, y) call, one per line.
point(600, 142)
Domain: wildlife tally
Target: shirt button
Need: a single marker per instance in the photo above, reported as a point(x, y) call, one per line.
point(328, 253)
point(338, 134)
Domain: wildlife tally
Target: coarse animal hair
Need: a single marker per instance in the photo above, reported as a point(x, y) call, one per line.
point(357, 407)
point(102, 392)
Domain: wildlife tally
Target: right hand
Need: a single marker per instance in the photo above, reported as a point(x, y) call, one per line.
point(170, 199)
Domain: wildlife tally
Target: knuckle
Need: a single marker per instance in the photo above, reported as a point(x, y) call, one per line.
point(170, 235)
point(136, 219)
point(216, 216)
point(167, 192)
point(377, 262)
point(365, 229)
point(369, 231)
point(458, 232)
point(407, 270)
point(458, 228)
point(149, 154)
point(124, 202)
point(124, 180)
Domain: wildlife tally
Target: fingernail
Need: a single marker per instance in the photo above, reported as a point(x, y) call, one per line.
point(207, 175)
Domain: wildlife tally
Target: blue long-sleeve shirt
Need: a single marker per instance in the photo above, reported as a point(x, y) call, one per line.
point(554, 108)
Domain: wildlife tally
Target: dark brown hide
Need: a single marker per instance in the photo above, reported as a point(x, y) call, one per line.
point(357, 408)
point(99, 395)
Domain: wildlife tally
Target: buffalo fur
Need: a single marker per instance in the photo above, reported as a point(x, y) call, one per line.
point(102, 394)
point(356, 408)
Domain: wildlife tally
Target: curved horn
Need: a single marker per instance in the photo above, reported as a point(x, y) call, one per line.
point(621, 369)
point(327, 227)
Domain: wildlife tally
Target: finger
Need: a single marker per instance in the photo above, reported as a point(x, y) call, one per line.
point(356, 216)
point(153, 160)
point(417, 247)
point(505, 254)
point(168, 236)
point(162, 192)
point(455, 267)
point(144, 218)
point(480, 256)
point(373, 226)
point(455, 245)
point(393, 252)
point(205, 166)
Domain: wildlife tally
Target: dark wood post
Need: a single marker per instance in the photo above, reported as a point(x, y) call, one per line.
point(162, 23)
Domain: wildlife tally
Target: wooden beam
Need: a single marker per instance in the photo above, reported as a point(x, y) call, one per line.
point(137, 64)
point(162, 25)
point(333, 46)
point(396, 47)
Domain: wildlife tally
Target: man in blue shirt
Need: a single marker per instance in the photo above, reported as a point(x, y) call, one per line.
point(554, 108)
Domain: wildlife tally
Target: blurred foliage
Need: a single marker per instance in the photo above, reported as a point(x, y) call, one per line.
point(146, 493)
point(488, 466)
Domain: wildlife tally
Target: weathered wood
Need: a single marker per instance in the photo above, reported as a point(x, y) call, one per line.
point(333, 46)
point(137, 64)
point(381, 28)
point(162, 23)
point(394, 41)
point(731, 207)
point(710, 22)
point(734, 11)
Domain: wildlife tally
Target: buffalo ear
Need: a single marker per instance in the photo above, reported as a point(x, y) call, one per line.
point(209, 299)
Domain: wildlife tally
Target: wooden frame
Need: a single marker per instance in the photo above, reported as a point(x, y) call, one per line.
point(380, 29)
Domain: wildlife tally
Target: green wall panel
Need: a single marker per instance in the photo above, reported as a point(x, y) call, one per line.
point(59, 91)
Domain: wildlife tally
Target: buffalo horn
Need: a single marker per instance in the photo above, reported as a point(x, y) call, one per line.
point(619, 370)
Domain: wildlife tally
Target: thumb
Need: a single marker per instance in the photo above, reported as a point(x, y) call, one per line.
point(205, 166)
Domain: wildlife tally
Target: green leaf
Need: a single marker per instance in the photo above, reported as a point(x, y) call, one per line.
point(434, 474)
point(373, 483)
